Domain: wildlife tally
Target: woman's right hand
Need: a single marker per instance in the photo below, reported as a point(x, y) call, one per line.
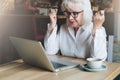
point(53, 18)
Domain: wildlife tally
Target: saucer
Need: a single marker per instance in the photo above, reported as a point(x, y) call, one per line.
point(104, 67)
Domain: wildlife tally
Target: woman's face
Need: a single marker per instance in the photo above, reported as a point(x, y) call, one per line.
point(74, 17)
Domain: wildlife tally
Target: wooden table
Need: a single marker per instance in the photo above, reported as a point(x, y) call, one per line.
point(18, 70)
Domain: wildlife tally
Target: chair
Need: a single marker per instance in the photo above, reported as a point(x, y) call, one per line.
point(40, 27)
point(110, 42)
point(109, 27)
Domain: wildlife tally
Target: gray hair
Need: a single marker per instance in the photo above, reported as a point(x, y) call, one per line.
point(82, 4)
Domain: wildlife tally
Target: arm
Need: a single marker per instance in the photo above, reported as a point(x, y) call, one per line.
point(99, 45)
point(51, 40)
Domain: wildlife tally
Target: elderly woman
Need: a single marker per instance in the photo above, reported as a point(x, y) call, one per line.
point(82, 36)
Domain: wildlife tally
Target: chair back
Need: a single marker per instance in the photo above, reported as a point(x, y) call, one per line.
point(110, 42)
point(109, 27)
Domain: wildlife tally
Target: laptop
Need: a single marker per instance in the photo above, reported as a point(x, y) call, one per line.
point(33, 53)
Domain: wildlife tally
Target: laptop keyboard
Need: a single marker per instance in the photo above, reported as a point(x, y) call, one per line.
point(57, 65)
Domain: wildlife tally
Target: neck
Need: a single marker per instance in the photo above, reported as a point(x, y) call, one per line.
point(75, 30)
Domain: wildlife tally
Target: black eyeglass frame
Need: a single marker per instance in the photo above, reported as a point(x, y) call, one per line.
point(73, 14)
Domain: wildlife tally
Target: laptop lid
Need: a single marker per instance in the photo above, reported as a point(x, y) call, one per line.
point(33, 53)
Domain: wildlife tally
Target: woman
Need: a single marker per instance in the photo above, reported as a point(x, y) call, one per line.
point(82, 36)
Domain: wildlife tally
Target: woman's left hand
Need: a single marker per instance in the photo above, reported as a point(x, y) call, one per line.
point(98, 19)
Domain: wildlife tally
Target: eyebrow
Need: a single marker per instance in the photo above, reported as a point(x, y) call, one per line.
point(74, 11)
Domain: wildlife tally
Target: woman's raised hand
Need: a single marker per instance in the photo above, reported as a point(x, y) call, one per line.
point(98, 19)
point(53, 18)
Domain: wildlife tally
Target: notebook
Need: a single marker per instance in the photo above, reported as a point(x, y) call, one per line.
point(33, 53)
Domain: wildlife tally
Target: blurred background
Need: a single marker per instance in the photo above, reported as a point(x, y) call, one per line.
point(28, 19)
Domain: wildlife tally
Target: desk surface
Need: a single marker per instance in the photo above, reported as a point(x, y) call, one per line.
point(17, 70)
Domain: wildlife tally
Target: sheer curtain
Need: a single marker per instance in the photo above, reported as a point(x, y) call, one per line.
point(117, 20)
point(6, 5)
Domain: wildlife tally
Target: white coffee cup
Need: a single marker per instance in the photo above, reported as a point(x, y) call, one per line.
point(94, 63)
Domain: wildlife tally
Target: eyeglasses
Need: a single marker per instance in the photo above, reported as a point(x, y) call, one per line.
point(73, 14)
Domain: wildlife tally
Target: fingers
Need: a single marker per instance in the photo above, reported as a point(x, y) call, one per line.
point(99, 15)
point(53, 11)
point(53, 16)
point(98, 19)
point(101, 12)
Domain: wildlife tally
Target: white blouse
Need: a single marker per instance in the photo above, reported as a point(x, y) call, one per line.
point(83, 45)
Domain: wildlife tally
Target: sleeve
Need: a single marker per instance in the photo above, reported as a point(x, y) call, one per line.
point(51, 41)
point(99, 44)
